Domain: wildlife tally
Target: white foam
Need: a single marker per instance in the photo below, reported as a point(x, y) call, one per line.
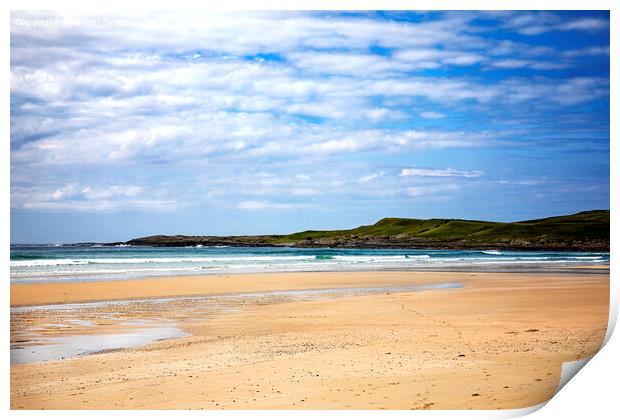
point(232, 258)
point(165, 260)
point(143, 264)
point(40, 263)
point(491, 252)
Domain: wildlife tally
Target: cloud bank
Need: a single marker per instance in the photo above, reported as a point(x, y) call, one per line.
point(278, 111)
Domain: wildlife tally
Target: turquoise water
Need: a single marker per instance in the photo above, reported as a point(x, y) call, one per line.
point(48, 263)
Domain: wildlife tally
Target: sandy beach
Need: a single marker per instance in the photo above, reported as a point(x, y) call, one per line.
point(363, 340)
point(308, 209)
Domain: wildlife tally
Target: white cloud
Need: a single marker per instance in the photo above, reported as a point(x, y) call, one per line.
point(587, 24)
point(76, 197)
point(524, 182)
point(437, 190)
point(542, 22)
point(86, 206)
point(266, 205)
point(346, 63)
point(533, 64)
point(64, 192)
point(429, 172)
point(596, 50)
point(431, 115)
point(435, 58)
point(230, 90)
point(510, 64)
point(370, 177)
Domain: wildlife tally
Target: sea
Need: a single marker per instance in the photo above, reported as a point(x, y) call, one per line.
point(61, 263)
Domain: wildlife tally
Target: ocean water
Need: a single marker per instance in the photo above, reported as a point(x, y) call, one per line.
point(49, 263)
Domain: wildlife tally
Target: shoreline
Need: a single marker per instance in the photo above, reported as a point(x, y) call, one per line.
point(526, 268)
point(34, 294)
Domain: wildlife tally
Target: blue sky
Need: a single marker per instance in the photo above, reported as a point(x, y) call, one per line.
point(272, 122)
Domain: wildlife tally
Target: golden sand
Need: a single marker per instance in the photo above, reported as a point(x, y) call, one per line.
point(497, 342)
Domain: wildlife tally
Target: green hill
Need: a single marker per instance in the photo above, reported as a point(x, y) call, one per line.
point(582, 231)
point(576, 230)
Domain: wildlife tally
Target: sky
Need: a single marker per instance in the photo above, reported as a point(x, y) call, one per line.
point(218, 123)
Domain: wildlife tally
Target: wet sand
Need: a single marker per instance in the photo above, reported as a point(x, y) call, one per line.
point(51, 293)
point(498, 341)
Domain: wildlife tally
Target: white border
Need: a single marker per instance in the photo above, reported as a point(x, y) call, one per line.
point(592, 394)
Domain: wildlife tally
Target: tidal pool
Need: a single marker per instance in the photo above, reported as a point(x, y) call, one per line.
point(79, 345)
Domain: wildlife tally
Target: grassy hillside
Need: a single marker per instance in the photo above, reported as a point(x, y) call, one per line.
point(591, 226)
point(582, 231)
